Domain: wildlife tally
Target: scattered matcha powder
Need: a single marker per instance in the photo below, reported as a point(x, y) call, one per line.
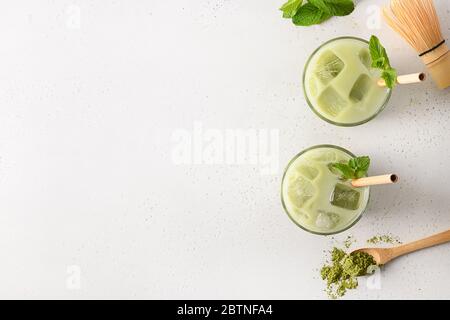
point(384, 239)
point(349, 241)
point(342, 272)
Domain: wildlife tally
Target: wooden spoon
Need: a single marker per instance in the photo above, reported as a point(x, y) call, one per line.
point(384, 255)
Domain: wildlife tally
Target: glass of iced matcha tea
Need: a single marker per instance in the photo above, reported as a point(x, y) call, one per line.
point(315, 198)
point(340, 85)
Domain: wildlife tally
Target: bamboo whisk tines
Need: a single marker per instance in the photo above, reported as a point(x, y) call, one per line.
point(417, 22)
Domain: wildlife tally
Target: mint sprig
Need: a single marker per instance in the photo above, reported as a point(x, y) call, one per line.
point(380, 60)
point(309, 15)
point(290, 8)
point(315, 11)
point(334, 7)
point(355, 168)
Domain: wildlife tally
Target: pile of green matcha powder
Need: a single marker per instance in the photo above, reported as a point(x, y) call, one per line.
point(342, 271)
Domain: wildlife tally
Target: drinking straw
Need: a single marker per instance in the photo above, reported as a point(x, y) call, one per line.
point(375, 180)
point(406, 79)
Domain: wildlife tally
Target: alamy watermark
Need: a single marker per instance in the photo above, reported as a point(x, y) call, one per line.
point(73, 17)
point(209, 146)
point(73, 280)
point(373, 281)
point(373, 17)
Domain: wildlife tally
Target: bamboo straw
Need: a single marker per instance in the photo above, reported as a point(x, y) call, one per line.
point(406, 79)
point(376, 180)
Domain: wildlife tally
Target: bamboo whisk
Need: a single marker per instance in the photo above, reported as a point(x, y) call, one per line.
point(418, 23)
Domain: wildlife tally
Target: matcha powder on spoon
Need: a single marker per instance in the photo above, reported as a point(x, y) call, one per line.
point(342, 271)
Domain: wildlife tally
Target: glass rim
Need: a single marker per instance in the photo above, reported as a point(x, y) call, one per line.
point(284, 204)
point(340, 124)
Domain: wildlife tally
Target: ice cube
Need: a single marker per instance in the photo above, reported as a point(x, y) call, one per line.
point(328, 67)
point(313, 86)
point(326, 156)
point(300, 191)
point(308, 172)
point(366, 60)
point(360, 88)
point(331, 102)
point(327, 220)
point(302, 214)
point(345, 197)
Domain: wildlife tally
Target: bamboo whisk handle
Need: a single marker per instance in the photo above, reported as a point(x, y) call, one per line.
point(438, 64)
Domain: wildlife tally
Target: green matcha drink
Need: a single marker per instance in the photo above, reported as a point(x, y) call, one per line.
point(339, 84)
point(315, 198)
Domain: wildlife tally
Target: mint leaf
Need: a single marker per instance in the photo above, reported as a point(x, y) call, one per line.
point(380, 60)
point(335, 7)
point(309, 15)
point(360, 174)
point(341, 7)
point(379, 63)
point(378, 53)
point(315, 11)
point(390, 77)
point(290, 8)
point(320, 4)
point(362, 163)
point(344, 169)
point(355, 168)
point(352, 163)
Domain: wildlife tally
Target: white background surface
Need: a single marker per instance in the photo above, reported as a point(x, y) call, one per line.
point(88, 108)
